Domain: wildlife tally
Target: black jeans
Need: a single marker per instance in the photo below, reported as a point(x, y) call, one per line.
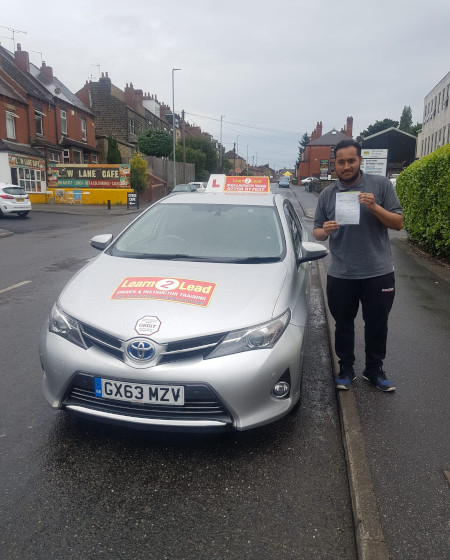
point(376, 296)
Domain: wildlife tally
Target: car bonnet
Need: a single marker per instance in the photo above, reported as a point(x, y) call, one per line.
point(186, 299)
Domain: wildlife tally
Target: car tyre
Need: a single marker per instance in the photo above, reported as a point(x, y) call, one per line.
point(23, 214)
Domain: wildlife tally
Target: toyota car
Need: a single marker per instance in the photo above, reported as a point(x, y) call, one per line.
point(193, 318)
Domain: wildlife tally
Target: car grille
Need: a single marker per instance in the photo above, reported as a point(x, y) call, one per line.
point(174, 351)
point(201, 403)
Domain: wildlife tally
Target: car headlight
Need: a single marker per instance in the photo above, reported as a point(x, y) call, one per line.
point(66, 326)
point(253, 338)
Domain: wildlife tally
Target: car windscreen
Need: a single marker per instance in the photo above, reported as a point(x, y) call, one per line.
point(209, 232)
point(14, 190)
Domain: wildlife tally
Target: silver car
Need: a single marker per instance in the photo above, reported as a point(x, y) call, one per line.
point(193, 318)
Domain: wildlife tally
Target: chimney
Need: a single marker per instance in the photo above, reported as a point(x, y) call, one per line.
point(129, 95)
point(47, 71)
point(22, 59)
point(138, 96)
point(349, 128)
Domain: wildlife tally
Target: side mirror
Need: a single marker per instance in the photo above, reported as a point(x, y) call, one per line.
point(100, 242)
point(312, 252)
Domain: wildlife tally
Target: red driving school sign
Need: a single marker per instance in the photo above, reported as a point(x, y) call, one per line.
point(179, 290)
point(246, 184)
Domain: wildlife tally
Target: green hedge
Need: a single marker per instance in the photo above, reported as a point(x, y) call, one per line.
point(424, 192)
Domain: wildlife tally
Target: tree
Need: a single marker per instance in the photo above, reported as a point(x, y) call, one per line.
point(113, 153)
point(138, 173)
point(406, 119)
point(204, 145)
point(302, 147)
point(227, 166)
point(378, 126)
point(155, 143)
point(197, 157)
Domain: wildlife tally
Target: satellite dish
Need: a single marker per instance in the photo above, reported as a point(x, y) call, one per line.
point(57, 91)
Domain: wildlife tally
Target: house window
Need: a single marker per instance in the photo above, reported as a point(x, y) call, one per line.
point(86, 159)
point(38, 121)
point(132, 129)
point(30, 179)
point(10, 124)
point(94, 158)
point(53, 157)
point(66, 156)
point(83, 130)
point(63, 116)
point(77, 156)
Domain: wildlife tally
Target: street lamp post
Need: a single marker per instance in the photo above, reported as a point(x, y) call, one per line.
point(174, 128)
point(221, 149)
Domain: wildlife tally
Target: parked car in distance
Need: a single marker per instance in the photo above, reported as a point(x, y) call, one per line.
point(284, 182)
point(201, 186)
point(307, 181)
point(173, 329)
point(184, 188)
point(14, 200)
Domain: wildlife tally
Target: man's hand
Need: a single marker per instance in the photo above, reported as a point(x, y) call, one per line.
point(321, 234)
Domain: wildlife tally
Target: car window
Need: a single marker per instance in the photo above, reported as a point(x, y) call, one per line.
point(204, 231)
point(295, 228)
point(14, 190)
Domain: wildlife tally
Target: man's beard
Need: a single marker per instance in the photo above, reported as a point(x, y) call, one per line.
point(352, 179)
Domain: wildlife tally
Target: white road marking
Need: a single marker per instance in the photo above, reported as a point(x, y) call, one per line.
point(15, 286)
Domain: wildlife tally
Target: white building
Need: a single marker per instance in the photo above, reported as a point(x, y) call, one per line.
point(436, 119)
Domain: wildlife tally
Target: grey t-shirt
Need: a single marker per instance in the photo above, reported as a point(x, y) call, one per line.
point(361, 250)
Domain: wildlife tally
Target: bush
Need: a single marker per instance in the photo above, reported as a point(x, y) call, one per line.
point(155, 143)
point(138, 173)
point(424, 192)
point(113, 153)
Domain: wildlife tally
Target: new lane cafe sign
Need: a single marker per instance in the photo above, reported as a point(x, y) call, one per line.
point(96, 176)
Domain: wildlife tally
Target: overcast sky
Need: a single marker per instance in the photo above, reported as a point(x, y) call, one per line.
point(272, 68)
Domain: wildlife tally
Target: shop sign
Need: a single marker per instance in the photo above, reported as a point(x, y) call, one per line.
point(16, 160)
point(93, 176)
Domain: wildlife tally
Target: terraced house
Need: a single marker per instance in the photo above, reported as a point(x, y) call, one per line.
point(41, 123)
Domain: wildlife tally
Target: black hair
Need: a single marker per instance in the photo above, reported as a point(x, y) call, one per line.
point(346, 144)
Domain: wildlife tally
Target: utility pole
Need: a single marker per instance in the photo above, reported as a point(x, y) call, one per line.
point(234, 152)
point(174, 127)
point(184, 148)
point(220, 147)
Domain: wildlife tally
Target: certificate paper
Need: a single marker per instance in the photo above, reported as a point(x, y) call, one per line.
point(347, 208)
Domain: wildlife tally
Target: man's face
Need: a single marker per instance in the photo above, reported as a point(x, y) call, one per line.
point(347, 165)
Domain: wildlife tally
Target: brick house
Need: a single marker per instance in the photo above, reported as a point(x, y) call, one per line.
point(120, 114)
point(318, 157)
point(41, 122)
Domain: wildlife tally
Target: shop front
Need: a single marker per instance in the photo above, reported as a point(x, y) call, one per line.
point(89, 184)
point(25, 171)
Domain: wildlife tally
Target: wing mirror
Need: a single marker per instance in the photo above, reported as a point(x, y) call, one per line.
point(100, 242)
point(312, 252)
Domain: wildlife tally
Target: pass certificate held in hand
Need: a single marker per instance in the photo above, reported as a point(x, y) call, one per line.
point(347, 208)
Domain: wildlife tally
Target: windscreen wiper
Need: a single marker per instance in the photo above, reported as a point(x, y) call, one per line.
point(256, 260)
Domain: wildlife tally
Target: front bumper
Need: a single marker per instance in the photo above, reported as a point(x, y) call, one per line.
point(229, 392)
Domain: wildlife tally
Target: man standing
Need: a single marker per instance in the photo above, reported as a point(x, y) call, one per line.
point(355, 213)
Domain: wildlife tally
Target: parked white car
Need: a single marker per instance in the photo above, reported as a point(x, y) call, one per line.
point(14, 200)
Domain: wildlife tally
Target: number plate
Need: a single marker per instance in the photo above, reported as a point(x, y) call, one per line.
point(139, 393)
point(20, 199)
